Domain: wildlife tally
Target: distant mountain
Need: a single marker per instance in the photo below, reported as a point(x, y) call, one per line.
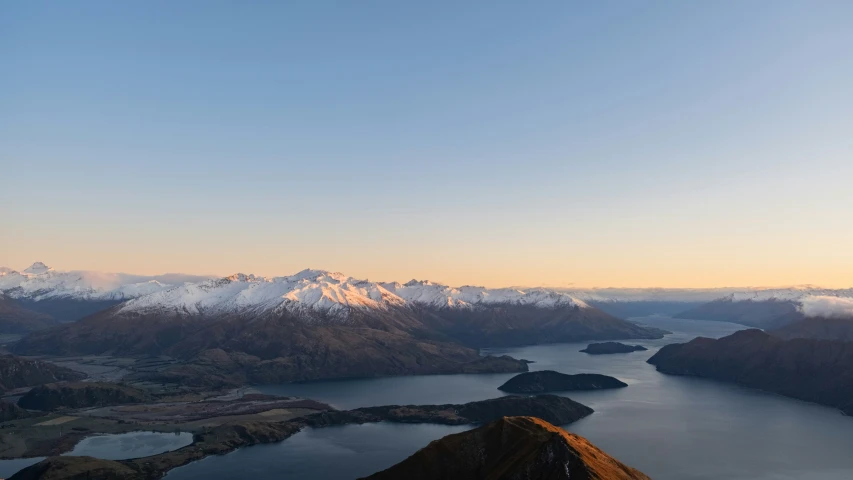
point(16, 372)
point(318, 324)
point(773, 308)
point(818, 371)
point(641, 302)
point(770, 313)
point(511, 448)
point(68, 296)
point(818, 328)
point(17, 319)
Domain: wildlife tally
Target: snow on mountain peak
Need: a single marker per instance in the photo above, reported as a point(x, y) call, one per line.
point(319, 275)
point(40, 282)
point(334, 293)
point(240, 277)
point(309, 289)
point(793, 294)
point(37, 268)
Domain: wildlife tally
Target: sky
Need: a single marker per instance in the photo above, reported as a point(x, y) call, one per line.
point(607, 143)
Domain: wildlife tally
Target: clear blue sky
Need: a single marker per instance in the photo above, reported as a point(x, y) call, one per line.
point(670, 143)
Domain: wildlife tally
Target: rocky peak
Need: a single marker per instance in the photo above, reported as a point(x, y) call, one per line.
point(511, 447)
point(37, 268)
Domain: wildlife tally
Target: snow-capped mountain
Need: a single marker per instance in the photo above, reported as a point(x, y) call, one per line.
point(437, 295)
point(239, 293)
point(37, 268)
point(40, 282)
point(328, 292)
point(792, 294)
point(70, 295)
point(317, 324)
point(774, 307)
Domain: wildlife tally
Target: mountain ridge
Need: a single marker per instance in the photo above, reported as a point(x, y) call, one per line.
point(512, 448)
point(814, 370)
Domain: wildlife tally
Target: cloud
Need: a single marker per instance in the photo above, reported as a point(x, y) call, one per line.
point(827, 306)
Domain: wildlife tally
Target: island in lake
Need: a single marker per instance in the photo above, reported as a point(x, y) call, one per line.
point(605, 348)
point(551, 381)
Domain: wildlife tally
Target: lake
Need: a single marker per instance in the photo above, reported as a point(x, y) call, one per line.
point(671, 428)
point(130, 445)
point(111, 447)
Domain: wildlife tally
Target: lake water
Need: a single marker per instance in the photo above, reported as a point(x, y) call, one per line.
point(111, 447)
point(130, 445)
point(671, 428)
point(10, 467)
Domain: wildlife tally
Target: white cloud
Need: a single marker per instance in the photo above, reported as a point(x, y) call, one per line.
point(826, 306)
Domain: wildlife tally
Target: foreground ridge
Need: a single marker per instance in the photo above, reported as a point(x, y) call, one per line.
point(510, 448)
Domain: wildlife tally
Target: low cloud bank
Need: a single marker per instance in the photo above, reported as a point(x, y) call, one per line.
point(826, 306)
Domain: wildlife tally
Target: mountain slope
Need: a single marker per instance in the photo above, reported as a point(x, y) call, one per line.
point(818, 371)
point(770, 313)
point(16, 318)
point(265, 349)
point(818, 328)
point(16, 372)
point(514, 325)
point(511, 448)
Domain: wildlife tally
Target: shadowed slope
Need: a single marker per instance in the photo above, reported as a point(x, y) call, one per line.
point(818, 371)
point(16, 372)
point(818, 328)
point(15, 318)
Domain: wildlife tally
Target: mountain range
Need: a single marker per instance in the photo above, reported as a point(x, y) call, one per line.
point(66, 296)
point(319, 324)
point(775, 307)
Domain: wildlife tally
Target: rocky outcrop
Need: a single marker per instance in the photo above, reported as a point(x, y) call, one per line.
point(511, 448)
point(56, 396)
point(17, 372)
point(77, 468)
point(551, 381)
point(819, 371)
point(606, 348)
